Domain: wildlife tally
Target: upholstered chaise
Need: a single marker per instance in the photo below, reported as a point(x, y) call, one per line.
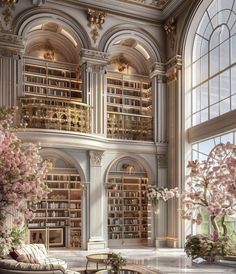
point(44, 265)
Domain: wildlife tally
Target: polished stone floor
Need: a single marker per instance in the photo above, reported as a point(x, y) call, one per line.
point(166, 260)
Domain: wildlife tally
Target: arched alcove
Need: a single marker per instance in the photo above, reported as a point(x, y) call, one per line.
point(128, 217)
point(58, 219)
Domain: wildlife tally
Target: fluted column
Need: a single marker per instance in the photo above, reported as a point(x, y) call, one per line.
point(95, 88)
point(11, 49)
point(174, 90)
point(96, 195)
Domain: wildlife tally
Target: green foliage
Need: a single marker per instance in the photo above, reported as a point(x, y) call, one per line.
point(116, 261)
point(205, 247)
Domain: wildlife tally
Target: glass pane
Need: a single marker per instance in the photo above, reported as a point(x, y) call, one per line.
point(204, 47)
point(212, 10)
point(225, 106)
point(214, 111)
point(223, 16)
point(224, 85)
point(196, 74)
point(227, 138)
point(214, 21)
point(204, 95)
point(234, 7)
point(205, 147)
point(215, 38)
point(233, 80)
point(233, 102)
point(227, 4)
point(203, 24)
point(196, 119)
point(196, 47)
point(233, 47)
point(204, 115)
point(233, 29)
point(232, 20)
point(214, 90)
point(208, 31)
point(214, 61)
point(224, 33)
point(196, 99)
point(224, 55)
point(204, 68)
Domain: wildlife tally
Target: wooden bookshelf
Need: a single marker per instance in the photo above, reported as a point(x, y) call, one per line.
point(61, 212)
point(129, 107)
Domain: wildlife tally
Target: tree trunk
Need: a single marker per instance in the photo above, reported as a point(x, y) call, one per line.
point(216, 229)
point(223, 226)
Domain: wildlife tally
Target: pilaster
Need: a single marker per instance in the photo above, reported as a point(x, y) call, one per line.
point(174, 88)
point(95, 88)
point(97, 226)
point(11, 49)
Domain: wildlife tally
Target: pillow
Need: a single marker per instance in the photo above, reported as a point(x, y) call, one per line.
point(27, 258)
point(14, 254)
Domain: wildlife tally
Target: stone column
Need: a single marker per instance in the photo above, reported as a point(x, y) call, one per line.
point(174, 89)
point(11, 50)
point(96, 195)
point(95, 88)
point(160, 137)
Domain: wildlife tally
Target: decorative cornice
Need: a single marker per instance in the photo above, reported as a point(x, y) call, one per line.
point(11, 45)
point(95, 21)
point(172, 68)
point(158, 69)
point(96, 157)
point(94, 56)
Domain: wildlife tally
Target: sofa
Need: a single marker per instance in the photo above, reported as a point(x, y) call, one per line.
point(37, 262)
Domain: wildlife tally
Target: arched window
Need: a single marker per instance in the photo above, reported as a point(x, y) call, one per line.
point(213, 87)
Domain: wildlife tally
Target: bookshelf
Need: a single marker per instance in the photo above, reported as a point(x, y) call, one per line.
point(52, 79)
point(129, 107)
point(52, 96)
point(127, 209)
point(59, 217)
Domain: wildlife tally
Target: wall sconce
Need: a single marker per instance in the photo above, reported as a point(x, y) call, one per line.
point(8, 5)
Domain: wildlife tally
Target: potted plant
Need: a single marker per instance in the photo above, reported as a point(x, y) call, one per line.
point(116, 261)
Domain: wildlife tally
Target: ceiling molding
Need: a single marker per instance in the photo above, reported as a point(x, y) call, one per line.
point(135, 9)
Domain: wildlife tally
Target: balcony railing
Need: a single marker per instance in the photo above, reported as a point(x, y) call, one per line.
point(47, 113)
point(129, 126)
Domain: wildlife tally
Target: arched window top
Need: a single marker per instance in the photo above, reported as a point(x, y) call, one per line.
point(214, 62)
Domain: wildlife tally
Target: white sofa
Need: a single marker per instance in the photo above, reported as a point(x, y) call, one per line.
point(44, 265)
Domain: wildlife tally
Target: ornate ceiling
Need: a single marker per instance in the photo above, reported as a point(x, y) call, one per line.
point(159, 4)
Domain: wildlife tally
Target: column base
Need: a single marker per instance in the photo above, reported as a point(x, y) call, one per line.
point(96, 245)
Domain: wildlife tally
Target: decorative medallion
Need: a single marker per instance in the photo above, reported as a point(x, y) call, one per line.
point(170, 29)
point(8, 6)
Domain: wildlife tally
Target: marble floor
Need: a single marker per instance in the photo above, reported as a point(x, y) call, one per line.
point(166, 260)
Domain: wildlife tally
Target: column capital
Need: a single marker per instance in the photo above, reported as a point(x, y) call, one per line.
point(158, 69)
point(11, 45)
point(96, 157)
point(94, 57)
point(172, 68)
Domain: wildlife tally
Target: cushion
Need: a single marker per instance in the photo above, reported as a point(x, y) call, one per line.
point(14, 254)
point(54, 261)
point(27, 259)
point(14, 265)
point(37, 251)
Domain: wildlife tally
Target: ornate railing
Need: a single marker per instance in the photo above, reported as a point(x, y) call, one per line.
point(60, 114)
point(129, 126)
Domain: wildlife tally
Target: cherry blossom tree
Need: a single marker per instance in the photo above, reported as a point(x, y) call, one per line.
point(22, 173)
point(212, 185)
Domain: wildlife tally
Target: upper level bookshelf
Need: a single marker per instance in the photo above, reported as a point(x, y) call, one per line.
point(52, 79)
point(129, 107)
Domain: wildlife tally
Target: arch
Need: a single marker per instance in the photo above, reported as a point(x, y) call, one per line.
point(31, 18)
point(126, 31)
point(140, 160)
point(66, 158)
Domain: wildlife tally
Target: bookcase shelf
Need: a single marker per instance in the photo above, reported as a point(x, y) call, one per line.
point(62, 211)
point(129, 107)
point(127, 209)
